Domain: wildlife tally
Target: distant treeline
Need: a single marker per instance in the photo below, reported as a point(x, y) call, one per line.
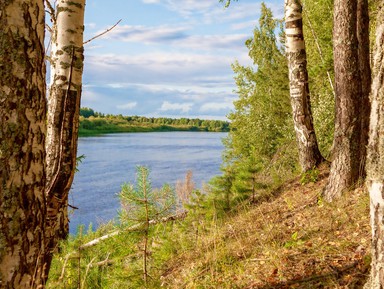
point(92, 122)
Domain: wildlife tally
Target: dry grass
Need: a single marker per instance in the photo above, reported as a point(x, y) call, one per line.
point(293, 240)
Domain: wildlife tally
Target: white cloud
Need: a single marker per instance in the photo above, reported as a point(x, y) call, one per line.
point(150, 1)
point(184, 107)
point(147, 34)
point(128, 105)
point(250, 25)
point(159, 68)
point(214, 42)
point(116, 85)
point(90, 25)
point(179, 38)
point(216, 106)
point(189, 7)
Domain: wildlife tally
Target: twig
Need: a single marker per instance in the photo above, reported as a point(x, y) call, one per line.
point(258, 259)
point(86, 272)
point(103, 263)
point(51, 11)
point(101, 34)
point(73, 207)
point(64, 265)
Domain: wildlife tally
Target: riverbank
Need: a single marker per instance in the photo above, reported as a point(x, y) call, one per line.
point(289, 239)
point(111, 128)
point(101, 124)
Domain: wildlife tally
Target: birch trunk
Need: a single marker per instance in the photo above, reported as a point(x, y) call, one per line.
point(63, 116)
point(309, 153)
point(346, 155)
point(22, 136)
point(375, 160)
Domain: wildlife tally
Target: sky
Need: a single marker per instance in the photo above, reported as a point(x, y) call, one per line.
point(167, 58)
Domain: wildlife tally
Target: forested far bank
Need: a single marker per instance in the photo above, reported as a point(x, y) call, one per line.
point(93, 123)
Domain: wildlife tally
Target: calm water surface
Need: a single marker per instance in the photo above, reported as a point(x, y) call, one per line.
point(110, 160)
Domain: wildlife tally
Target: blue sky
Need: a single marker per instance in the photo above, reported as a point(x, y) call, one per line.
point(167, 58)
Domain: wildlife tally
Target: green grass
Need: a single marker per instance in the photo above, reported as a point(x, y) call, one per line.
point(290, 239)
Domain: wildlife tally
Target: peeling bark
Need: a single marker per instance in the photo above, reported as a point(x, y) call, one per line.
point(375, 160)
point(22, 137)
point(348, 141)
point(309, 153)
point(63, 116)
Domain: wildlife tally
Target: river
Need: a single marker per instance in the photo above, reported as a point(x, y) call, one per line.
point(110, 160)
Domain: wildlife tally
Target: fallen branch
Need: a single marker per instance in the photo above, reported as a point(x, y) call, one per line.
point(98, 240)
point(132, 229)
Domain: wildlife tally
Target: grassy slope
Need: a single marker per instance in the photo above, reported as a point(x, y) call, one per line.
point(291, 240)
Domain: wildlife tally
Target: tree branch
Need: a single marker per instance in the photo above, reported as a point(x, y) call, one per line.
point(101, 34)
point(51, 11)
point(106, 262)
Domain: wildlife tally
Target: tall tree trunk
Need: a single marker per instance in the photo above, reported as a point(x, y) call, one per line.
point(365, 72)
point(375, 159)
point(63, 116)
point(22, 136)
point(347, 145)
point(309, 153)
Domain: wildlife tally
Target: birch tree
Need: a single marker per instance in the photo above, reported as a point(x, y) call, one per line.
point(66, 60)
point(309, 153)
point(22, 136)
point(375, 160)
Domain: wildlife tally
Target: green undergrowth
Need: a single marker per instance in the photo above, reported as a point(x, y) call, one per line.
point(287, 238)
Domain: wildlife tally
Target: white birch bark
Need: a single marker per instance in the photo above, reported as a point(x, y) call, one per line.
point(63, 115)
point(375, 160)
point(309, 153)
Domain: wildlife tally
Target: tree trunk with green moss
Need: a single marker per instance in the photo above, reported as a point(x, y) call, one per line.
point(22, 137)
point(309, 153)
point(63, 116)
point(375, 160)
